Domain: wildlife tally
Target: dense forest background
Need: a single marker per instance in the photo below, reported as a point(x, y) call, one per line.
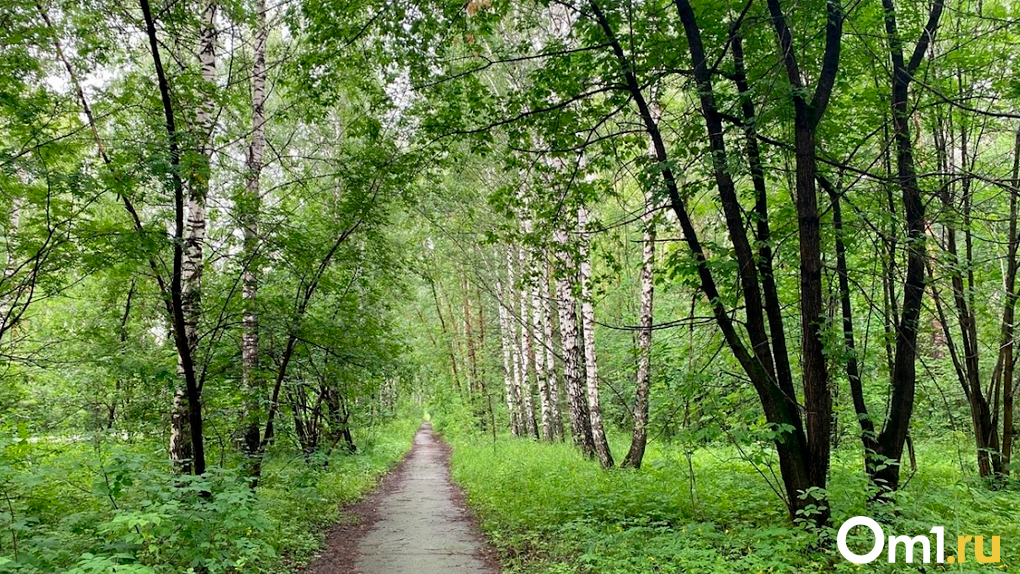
point(685, 284)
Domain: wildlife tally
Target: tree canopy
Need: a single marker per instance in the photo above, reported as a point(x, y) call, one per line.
point(244, 241)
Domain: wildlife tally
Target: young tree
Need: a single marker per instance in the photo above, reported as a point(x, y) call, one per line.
point(185, 348)
point(642, 384)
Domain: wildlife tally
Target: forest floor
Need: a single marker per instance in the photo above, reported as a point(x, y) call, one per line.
point(415, 522)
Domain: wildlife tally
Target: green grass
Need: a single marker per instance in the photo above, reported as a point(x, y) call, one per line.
point(549, 511)
point(75, 508)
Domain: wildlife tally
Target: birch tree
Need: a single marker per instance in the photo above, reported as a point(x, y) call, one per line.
point(577, 400)
point(248, 216)
point(540, 349)
point(194, 242)
point(506, 344)
point(190, 434)
point(588, 334)
point(549, 309)
point(528, 364)
point(642, 385)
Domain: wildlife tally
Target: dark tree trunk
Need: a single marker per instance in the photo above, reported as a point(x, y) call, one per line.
point(179, 322)
point(807, 115)
point(776, 395)
point(853, 370)
point(339, 416)
point(888, 446)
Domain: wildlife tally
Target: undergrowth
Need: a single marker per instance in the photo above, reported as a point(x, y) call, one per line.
point(97, 508)
point(550, 511)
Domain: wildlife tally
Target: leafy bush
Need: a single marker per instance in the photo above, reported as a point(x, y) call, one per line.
point(128, 514)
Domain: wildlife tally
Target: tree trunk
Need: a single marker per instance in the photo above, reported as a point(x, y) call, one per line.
point(890, 442)
point(644, 350)
point(1007, 344)
point(474, 384)
point(541, 374)
point(580, 421)
point(513, 316)
point(539, 348)
point(853, 371)
point(448, 337)
point(199, 182)
point(528, 363)
point(194, 243)
point(181, 453)
point(548, 302)
point(588, 334)
point(249, 219)
point(807, 115)
point(508, 367)
point(483, 385)
point(763, 232)
point(175, 305)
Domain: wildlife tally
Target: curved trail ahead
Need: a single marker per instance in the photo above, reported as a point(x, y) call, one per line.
point(415, 523)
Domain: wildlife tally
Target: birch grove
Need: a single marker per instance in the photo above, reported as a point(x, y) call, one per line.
point(246, 249)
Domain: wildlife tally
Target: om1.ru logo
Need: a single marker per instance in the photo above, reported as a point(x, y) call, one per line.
point(910, 543)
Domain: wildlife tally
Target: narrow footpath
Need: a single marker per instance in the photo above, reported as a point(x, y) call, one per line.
point(414, 523)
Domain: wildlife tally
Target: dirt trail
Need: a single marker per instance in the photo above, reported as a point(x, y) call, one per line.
point(415, 523)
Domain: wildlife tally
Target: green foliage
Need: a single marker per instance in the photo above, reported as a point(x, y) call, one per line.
point(450, 414)
point(65, 512)
point(550, 511)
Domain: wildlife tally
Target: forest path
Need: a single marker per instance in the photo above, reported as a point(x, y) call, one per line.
point(415, 522)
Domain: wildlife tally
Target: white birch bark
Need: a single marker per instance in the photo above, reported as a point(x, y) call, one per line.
point(194, 241)
point(194, 244)
point(552, 378)
point(588, 335)
point(515, 346)
point(249, 218)
point(642, 383)
point(535, 345)
point(537, 327)
point(504, 334)
point(643, 378)
point(580, 423)
point(527, 354)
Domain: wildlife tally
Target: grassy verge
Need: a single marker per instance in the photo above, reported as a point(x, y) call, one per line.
point(89, 508)
point(549, 511)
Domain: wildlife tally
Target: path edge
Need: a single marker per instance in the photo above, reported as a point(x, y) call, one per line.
point(339, 549)
point(486, 550)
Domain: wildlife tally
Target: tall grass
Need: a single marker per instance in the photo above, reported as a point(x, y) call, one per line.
point(550, 511)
